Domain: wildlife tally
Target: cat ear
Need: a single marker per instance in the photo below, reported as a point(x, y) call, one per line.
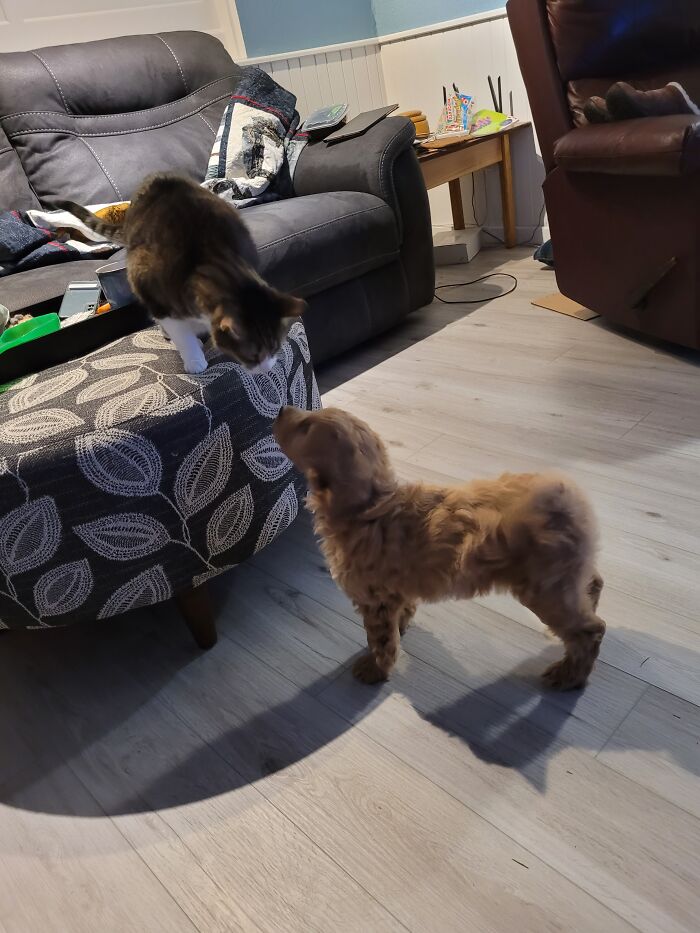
point(225, 323)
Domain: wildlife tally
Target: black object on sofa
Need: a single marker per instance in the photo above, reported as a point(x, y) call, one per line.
point(123, 480)
point(88, 121)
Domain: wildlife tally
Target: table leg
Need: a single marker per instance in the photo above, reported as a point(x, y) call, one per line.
point(507, 197)
point(456, 204)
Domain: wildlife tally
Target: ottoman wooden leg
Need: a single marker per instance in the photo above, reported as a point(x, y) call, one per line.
point(196, 610)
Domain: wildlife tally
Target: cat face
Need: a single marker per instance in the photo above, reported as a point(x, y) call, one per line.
point(252, 325)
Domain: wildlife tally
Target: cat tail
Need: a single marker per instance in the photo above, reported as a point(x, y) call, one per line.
point(110, 230)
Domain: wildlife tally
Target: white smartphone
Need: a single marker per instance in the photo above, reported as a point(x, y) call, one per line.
point(80, 298)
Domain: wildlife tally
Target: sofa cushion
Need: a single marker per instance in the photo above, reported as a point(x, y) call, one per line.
point(311, 243)
point(83, 135)
point(305, 245)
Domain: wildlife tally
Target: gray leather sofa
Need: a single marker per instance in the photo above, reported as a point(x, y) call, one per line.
point(89, 121)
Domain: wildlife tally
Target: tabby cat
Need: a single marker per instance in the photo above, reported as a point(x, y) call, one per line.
point(192, 263)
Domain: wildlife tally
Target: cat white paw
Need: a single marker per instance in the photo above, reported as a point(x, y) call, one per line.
point(264, 366)
point(195, 366)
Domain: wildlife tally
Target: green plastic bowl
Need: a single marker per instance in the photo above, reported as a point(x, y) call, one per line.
point(29, 330)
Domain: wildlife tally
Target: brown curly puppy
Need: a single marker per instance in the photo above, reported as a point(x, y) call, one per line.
point(390, 545)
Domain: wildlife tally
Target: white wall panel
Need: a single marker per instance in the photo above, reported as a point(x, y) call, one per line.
point(415, 69)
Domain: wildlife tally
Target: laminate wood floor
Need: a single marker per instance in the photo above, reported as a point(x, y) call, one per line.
point(145, 786)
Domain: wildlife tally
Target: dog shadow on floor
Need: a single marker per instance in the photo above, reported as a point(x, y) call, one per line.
point(511, 721)
point(132, 718)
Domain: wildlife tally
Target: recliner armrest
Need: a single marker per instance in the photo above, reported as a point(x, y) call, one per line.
point(648, 146)
point(364, 163)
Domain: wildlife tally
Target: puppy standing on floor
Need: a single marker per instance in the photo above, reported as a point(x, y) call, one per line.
point(390, 545)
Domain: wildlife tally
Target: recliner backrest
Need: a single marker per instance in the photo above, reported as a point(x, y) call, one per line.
point(89, 121)
point(646, 42)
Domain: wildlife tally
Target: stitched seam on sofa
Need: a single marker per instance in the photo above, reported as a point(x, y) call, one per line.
point(102, 166)
point(355, 265)
point(9, 149)
point(60, 89)
point(12, 134)
point(177, 62)
point(626, 157)
point(202, 117)
point(115, 116)
point(327, 223)
point(396, 139)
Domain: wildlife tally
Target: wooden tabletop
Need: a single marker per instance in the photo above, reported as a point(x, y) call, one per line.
point(468, 141)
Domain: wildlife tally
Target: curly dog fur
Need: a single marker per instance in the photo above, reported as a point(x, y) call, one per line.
point(390, 545)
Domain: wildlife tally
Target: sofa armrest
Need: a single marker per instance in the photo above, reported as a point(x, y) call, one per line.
point(381, 162)
point(364, 163)
point(648, 146)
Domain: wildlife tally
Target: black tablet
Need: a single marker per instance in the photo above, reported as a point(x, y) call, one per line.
point(360, 124)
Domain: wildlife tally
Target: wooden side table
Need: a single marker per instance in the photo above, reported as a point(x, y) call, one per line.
point(450, 163)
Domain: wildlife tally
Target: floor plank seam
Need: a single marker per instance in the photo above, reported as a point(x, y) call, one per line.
point(128, 843)
point(257, 786)
point(480, 816)
point(636, 425)
point(242, 644)
point(622, 722)
point(340, 867)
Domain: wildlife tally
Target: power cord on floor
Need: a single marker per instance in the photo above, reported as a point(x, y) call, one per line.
point(505, 275)
point(476, 301)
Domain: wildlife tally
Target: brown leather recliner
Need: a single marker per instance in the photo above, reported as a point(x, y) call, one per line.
point(623, 199)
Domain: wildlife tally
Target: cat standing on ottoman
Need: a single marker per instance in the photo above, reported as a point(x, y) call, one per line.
point(192, 263)
point(390, 545)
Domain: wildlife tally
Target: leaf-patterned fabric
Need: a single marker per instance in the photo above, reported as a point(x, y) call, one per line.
point(124, 480)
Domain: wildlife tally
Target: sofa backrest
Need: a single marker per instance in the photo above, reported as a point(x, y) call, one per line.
point(89, 121)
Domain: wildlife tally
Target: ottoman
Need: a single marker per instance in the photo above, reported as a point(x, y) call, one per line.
point(125, 481)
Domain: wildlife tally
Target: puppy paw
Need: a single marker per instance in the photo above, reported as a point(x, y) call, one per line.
point(565, 675)
point(406, 618)
point(366, 670)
